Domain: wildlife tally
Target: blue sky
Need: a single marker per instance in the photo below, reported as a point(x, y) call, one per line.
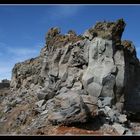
point(23, 27)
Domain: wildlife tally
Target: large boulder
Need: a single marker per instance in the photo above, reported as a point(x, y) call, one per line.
point(67, 108)
point(91, 105)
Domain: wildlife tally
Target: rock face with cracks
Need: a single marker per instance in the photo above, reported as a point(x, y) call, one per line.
point(100, 67)
point(79, 77)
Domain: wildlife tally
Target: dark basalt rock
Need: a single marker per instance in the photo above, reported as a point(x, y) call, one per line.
point(70, 69)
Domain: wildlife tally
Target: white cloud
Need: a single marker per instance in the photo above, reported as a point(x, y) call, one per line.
point(22, 51)
point(12, 55)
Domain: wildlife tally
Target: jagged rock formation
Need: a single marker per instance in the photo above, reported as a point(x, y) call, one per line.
point(97, 64)
point(77, 78)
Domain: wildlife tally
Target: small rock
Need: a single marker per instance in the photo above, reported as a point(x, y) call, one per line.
point(37, 110)
point(64, 77)
point(43, 107)
point(21, 119)
point(44, 112)
point(6, 109)
point(18, 100)
point(102, 112)
point(107, 101)
point(112, 116)
point(99, 103)
point(32, 86)
point(128, 132)
point(107, 109)
point(119, 106)
point(137, 133)
point(68, 134)
point(3, 119)
point(45, 93)
point(41, 95)
point(40, 103)
point(77, 86)
point(106, 128)
point(119, 128)
point(91, 103)
point(11, 99)
point(122, 118)
point(33, 120)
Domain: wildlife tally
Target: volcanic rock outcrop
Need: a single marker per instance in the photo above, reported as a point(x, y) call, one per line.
point(78, 77)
